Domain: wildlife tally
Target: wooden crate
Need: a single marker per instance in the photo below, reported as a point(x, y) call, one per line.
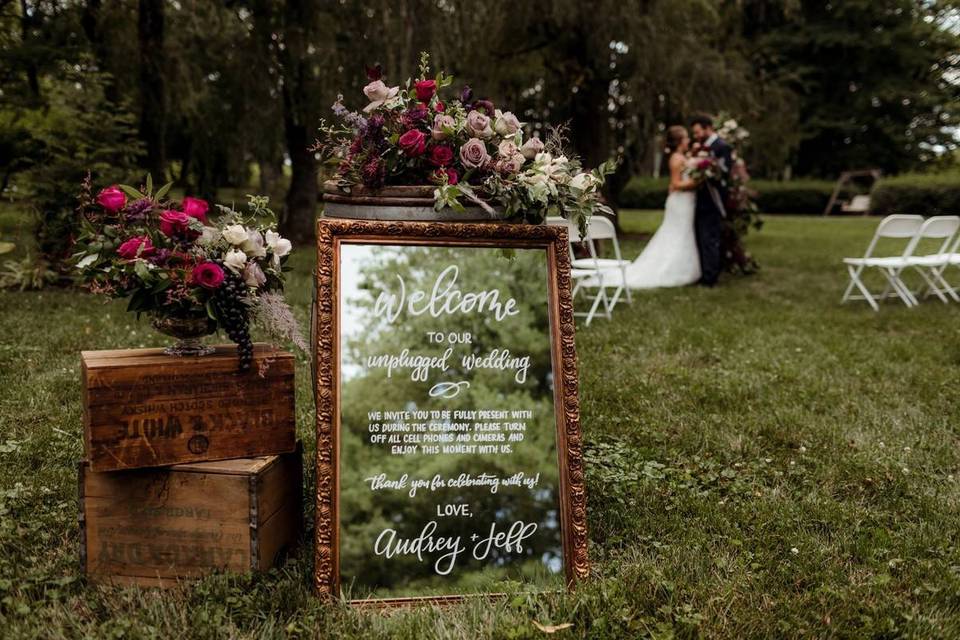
point(154, 527)
point(146, 409)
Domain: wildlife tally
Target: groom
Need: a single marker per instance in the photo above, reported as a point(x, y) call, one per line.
point(711, 195)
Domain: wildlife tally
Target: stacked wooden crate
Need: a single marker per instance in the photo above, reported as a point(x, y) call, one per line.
point(191, 466)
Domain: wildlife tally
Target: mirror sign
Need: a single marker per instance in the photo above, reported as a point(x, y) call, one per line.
point(448, 437)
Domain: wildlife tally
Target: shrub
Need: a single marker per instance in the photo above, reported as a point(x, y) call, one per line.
point(796, 196)
point(924, 194)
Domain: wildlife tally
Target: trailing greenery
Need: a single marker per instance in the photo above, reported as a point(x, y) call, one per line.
point(761, 462)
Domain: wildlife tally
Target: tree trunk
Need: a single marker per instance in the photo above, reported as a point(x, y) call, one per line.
point(300, 210)
point(153, 114)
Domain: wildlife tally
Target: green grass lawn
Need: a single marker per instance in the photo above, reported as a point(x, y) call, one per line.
point(763, 462)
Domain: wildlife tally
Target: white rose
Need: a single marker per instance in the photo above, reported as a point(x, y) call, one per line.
point(235, 234)
point(209, 235)
point(253, 275)
point(506, 124)
point(531, 148)
point(378, 93)
point(582, 181)
point(279, 246)
point(253, 245)
point(235, 260)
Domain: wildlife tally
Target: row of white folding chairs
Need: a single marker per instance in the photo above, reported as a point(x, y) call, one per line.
point(931, 266)
point(593, 275)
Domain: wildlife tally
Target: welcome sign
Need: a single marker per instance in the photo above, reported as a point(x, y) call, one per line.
point(448, 437)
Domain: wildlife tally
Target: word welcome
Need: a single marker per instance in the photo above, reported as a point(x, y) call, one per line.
point(444, 299)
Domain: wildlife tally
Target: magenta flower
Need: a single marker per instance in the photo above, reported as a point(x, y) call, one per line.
point(174, 223)
point(137, 247)
point(195, 208)
point(208, 275)
point(111, 199)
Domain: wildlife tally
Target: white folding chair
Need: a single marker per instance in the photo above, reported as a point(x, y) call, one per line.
point(584, 278)
point(602, 228)
point(902, 227)
point(931, 266)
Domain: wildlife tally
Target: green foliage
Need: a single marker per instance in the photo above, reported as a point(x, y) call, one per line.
point(793, 196)
point(924, 194)
point(876, 81)
point(723, 429)
point(80, 132)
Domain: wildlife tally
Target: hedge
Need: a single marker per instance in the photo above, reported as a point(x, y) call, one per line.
point(796, 196)
point(925, 194)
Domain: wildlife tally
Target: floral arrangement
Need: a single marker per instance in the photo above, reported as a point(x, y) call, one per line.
point(468, 148)
point(742, 212)
point(174, 263)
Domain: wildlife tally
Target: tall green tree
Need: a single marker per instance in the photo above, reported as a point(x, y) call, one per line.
point(877, 80)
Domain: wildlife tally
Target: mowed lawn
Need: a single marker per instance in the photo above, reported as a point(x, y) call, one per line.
point(762, 462)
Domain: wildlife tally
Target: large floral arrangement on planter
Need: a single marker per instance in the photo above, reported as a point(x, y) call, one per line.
point(472, 152)
point(176, 264)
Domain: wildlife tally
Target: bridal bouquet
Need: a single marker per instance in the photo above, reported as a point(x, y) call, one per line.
point(187, 272)
point(471, 150)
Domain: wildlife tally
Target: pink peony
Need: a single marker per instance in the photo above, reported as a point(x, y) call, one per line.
point(474, 154)
point(111, 199)
point(413, 143)
point(425, 89)
point(208, 275)
point(174, 223)
point(195, 208)
point(441, 155)
point(137, 247)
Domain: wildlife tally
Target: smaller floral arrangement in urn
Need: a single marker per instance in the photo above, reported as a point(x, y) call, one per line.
point(191, 274)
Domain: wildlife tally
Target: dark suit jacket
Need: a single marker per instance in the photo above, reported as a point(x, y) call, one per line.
point(723, 152)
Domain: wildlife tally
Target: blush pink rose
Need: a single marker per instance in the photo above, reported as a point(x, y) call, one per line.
point(195, 208)
point(208, 275)
point(111, 199)
point(139, 246)
point(413, 143)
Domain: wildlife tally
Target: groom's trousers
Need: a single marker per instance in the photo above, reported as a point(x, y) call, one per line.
point(709, 225)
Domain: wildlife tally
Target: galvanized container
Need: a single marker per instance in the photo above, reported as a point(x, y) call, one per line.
point(413, 203)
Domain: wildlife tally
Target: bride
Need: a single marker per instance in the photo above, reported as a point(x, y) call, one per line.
point(671, 259)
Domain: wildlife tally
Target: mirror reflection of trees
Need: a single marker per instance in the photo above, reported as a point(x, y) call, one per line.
point(519, 274)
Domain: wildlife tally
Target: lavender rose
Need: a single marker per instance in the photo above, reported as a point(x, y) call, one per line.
point(473, 154)
point(479, 125)
point(506, 124)
point(531, 148)
point(507, 149)
point(442, 122)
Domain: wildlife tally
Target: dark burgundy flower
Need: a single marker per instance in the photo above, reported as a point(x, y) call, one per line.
point(425, 89)
point(441, 155)
point(414, 116)
point(375, 72)
point(413, 143)
point(374, 173)
point(486, 106)
point(466, 94)
point(138, 209)
point(452, 177)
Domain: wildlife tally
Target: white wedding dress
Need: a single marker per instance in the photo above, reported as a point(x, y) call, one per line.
point(671, 258)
